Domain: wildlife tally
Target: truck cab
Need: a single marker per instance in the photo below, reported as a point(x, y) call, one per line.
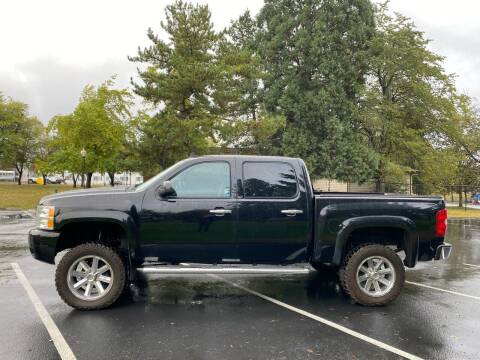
point(228, 210)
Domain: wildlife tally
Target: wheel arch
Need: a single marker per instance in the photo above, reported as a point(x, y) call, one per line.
point(388, 230)
point(112, 228)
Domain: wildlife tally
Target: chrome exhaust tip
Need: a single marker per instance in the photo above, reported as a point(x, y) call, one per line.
point(443, 251)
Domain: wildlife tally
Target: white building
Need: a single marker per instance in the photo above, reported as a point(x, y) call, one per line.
point(99, 179)
point(7, 175)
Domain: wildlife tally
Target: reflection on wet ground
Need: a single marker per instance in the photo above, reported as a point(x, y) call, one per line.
point(202, 317)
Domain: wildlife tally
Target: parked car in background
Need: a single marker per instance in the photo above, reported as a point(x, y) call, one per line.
point(55, 180)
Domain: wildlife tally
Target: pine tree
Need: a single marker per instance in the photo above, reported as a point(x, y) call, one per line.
point(179, 81)
point(315, 55)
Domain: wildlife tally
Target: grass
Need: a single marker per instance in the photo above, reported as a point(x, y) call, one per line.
point(455, 212)
point(26, 196)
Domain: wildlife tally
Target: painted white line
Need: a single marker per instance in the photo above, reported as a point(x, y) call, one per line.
point(58, 340)
point(443, 290)
point(477, 266)
point(324, 321)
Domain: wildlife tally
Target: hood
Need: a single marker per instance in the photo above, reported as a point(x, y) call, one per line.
point(76, 195)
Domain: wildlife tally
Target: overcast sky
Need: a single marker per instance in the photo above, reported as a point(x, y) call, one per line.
point(51, 49)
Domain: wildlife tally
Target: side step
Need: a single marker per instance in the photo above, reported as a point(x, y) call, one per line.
point(218, 269)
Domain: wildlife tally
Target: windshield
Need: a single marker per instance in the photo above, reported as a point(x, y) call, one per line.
point(152, 180)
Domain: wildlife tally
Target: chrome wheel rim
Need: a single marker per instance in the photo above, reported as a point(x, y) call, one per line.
point(90, 278)
point(376, 276)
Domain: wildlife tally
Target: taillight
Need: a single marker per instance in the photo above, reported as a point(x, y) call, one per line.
point(441, 227)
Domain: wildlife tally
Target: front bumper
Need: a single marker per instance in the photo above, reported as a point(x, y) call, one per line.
point(443, 251)
point(42, 244)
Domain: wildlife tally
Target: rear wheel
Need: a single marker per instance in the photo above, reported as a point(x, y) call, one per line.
point(90, 276)
point(373, 275)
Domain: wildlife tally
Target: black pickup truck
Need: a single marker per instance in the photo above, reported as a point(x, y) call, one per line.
point(234, 214)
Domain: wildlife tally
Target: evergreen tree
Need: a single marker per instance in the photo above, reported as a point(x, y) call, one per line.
point(316, 57)
point(247, 125)
point(180, 82)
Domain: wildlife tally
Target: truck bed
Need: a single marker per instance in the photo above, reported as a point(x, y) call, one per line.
point(335, 211)
point(340, 194)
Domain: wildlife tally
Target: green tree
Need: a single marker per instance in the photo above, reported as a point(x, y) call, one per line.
point(180, 82)
point(64, 155)
point(99, 125)
point(246, 125)
point(462, 131)
point(44, 152)
point(315, 55)
point(408, 101)
point(20, 134)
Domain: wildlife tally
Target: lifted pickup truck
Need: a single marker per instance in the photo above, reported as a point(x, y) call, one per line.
point(234, 214)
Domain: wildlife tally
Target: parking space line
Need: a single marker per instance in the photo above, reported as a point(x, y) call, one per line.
point(323, 321)
point(58, 340)
point(444, 290)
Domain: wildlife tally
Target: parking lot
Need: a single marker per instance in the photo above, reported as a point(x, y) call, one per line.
point(244, 317)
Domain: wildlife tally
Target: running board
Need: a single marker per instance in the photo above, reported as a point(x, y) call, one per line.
point(245, 270)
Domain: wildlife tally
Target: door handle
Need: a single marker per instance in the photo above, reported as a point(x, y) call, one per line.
point(292, 212)
point(220, 212)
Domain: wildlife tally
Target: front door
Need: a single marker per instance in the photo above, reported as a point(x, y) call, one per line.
point(273, 219)
point(197, 224)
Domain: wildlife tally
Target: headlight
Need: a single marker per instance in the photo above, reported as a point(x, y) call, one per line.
point(45, 216)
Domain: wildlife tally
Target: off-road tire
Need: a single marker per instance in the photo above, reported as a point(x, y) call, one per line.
point(119, 279)
point(348, 273)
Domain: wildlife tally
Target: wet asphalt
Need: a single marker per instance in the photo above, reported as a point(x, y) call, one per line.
point(201, 317)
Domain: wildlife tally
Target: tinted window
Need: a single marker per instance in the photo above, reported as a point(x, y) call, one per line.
point(269, 180)
point(205, 180)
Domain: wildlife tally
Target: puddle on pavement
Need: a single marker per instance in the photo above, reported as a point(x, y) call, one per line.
point(14, 227)
point(15, 217)
point(7, 275)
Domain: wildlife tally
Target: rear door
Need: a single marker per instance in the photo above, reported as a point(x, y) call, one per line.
point(273, 218)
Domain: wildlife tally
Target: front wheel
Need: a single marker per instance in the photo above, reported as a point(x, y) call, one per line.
point(373, 275)
point(90, 277)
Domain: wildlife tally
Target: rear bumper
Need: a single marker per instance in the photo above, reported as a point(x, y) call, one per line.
point(42, 244)
point(443, 251)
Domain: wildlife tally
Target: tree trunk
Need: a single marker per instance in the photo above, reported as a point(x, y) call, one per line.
point(44, 179)
point(74, 178)
point(88, 184)
point(20, 173)
point(111, 175)
point(460, 200)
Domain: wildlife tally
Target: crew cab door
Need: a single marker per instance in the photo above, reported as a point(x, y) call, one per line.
point(273, 218)
point(197, 224)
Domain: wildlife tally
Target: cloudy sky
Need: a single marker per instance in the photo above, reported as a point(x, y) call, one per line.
point(52, 48)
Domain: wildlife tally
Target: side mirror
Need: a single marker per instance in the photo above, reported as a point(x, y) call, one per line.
point(166, 189)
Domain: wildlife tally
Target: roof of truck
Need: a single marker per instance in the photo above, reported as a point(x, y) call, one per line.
point(253, 157)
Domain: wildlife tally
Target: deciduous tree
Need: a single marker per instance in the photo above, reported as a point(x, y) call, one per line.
point(20, 135)
point(99, 125)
